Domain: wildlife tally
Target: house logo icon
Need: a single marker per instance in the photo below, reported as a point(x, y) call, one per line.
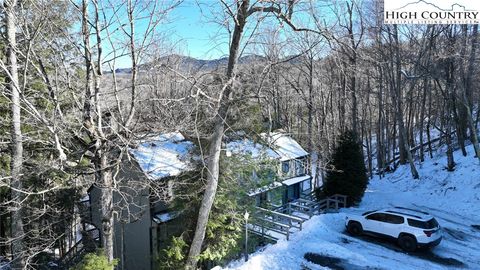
point(431, 11)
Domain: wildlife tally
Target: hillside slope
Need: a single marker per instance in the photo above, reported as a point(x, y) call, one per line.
point(452, 197)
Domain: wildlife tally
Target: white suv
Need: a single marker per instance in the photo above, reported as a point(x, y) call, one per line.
point(410, 228)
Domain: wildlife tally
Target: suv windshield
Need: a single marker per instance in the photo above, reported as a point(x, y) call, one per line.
point(430, 224)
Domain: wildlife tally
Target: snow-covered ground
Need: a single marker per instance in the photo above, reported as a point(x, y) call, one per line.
point(452, 197)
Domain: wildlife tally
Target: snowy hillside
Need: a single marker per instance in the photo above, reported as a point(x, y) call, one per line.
point(452, 197)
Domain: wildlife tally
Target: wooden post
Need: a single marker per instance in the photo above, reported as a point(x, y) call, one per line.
point(263, 231)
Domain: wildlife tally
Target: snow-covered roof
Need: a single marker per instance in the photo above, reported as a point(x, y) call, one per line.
point(248, 147)
point(166, 216)
point(259, 190)
point(295, 180)
point(282, 147)
point(164, 155)
point(285, 146)
point(170, 154)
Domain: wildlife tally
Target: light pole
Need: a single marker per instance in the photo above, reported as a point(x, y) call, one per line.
point(246, 215)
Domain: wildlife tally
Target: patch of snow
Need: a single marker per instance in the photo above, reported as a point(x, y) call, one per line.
point(164, 155)
point(285, 146)
point(265, 188)
point(295, 180)
point(248, 147)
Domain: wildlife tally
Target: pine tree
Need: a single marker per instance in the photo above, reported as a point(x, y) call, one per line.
point(348, 175)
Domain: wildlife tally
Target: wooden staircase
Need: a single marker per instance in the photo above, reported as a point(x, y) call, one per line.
point(88, 243)
point(282, 221)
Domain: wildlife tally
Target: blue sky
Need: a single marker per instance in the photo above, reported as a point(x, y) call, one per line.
point(190, 29)
point(195, 29)
point(191, 24)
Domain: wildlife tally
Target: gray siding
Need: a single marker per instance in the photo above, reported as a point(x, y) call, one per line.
point(132, 219)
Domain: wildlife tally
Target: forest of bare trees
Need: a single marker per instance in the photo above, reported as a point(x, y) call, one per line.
point(312, 68)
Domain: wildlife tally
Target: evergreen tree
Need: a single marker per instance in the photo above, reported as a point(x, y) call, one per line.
point(348, 175)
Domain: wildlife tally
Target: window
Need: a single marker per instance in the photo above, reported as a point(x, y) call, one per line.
point(285, 166)
point(394, 219)
point(263, 198)
point(300, 166)
point(276, 196)
point(377, 217)
point(431, 224)
point(306, 185)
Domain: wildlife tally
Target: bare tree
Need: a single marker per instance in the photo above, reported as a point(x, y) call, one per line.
point(241, 12)
point(16, 184)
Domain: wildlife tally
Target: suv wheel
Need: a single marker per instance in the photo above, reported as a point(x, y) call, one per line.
point(407, 243)
point(354, 228)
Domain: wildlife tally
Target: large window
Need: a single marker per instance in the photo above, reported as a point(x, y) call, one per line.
point(300, 166)
point(306, 185)
point(285, 167)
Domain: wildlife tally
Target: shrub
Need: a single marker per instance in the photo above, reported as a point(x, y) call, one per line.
point(96, 261)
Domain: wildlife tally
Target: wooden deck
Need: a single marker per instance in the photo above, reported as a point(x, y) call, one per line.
point(289, 218)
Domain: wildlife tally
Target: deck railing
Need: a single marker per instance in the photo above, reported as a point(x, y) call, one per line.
point(86, 244)
point(282, 219)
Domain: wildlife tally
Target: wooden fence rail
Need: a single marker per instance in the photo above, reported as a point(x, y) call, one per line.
point(283, 219)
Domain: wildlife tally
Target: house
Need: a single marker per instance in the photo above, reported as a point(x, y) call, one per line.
point(145, 218)
point(291, 159)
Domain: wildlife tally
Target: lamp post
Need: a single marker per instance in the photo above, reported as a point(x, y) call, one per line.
point(246, 215)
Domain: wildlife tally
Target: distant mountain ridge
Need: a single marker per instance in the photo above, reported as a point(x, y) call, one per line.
point(183, 62)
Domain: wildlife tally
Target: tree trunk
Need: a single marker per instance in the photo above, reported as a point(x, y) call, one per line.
point(380, 126)
point(17, 230)
point(352, 71)
point(461, 117)
point(429, 139)
point(466, 95)
point(105, 181)
point(216, 141)
point(92, 122)
point(449, 95)
point(310, 113)
point(397, 97)
point(422, 118)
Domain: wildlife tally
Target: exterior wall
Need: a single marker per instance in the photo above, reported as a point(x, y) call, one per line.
point(274, 197)
point(132, 239)
point(296, 167)
point(297, 190)
point(132, 245)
